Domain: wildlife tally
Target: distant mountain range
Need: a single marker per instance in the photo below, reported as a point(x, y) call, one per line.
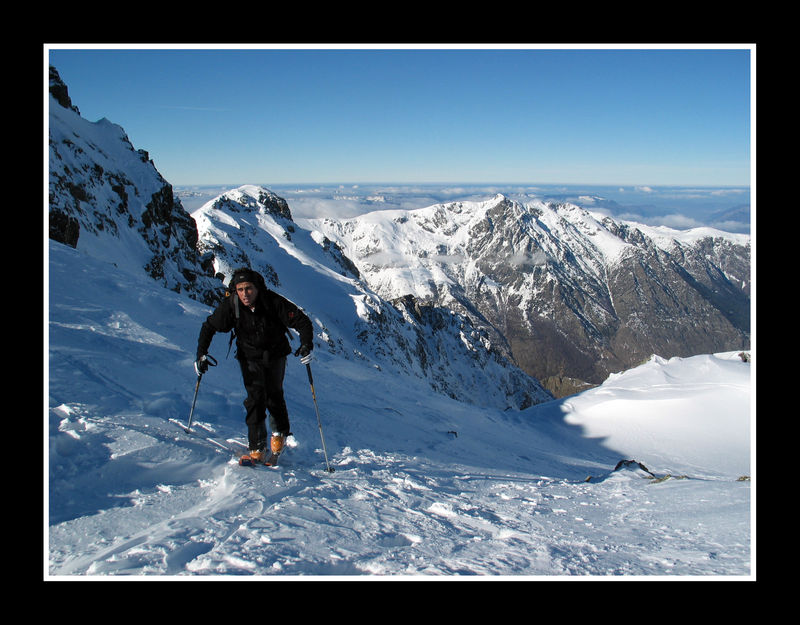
point(572, 296)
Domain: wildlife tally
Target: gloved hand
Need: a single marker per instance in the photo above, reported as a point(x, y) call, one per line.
point(201, 364)
point(304, 352)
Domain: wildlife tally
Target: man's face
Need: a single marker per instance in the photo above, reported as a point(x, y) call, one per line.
point(247, 293)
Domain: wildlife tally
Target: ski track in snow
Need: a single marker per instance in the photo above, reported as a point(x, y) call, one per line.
point(392, 514)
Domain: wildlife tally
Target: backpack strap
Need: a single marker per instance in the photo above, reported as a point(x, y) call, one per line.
point(235, 300)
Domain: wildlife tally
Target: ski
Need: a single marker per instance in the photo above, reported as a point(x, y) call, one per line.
point(272, 459)
point(183, 426)
point(246, 460)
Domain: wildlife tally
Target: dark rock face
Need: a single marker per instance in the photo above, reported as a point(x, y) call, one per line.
point(582, 324)
point(60, 92)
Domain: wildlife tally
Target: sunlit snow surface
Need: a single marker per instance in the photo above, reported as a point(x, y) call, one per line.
point(424, 485)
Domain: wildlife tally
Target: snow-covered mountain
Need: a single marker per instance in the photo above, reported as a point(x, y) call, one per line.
point(108, 200)
point(575, 296)
point(252, 226)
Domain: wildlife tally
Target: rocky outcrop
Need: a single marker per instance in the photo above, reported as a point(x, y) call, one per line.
point(108, 199)
point(60, 92)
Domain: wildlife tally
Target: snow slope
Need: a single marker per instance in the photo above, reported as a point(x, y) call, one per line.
point(424, 486)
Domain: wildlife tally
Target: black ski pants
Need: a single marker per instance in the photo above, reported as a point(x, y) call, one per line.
point(263, 382)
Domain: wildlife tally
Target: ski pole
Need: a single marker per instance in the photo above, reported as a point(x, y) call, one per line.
point(329, 468)
point(213, 363)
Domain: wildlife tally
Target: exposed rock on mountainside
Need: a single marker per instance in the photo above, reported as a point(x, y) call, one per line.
point(108, 197)
point(569, 296)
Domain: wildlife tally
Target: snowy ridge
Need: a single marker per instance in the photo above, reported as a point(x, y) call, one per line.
point(107, 200)
point(667, 238)
point(108, 145)
point(410, 251)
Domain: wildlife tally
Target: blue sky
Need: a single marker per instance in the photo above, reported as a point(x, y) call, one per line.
point(276, 116)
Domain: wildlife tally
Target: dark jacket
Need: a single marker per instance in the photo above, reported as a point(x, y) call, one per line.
point(260, 334)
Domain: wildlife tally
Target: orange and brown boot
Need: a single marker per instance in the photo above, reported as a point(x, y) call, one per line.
point(258, 455)
point(276, 443)
point(253, 457)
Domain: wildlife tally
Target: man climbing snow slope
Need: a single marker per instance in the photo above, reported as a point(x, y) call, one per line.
point(260, 318)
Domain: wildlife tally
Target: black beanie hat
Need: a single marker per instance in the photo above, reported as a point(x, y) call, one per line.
point(243, 274)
